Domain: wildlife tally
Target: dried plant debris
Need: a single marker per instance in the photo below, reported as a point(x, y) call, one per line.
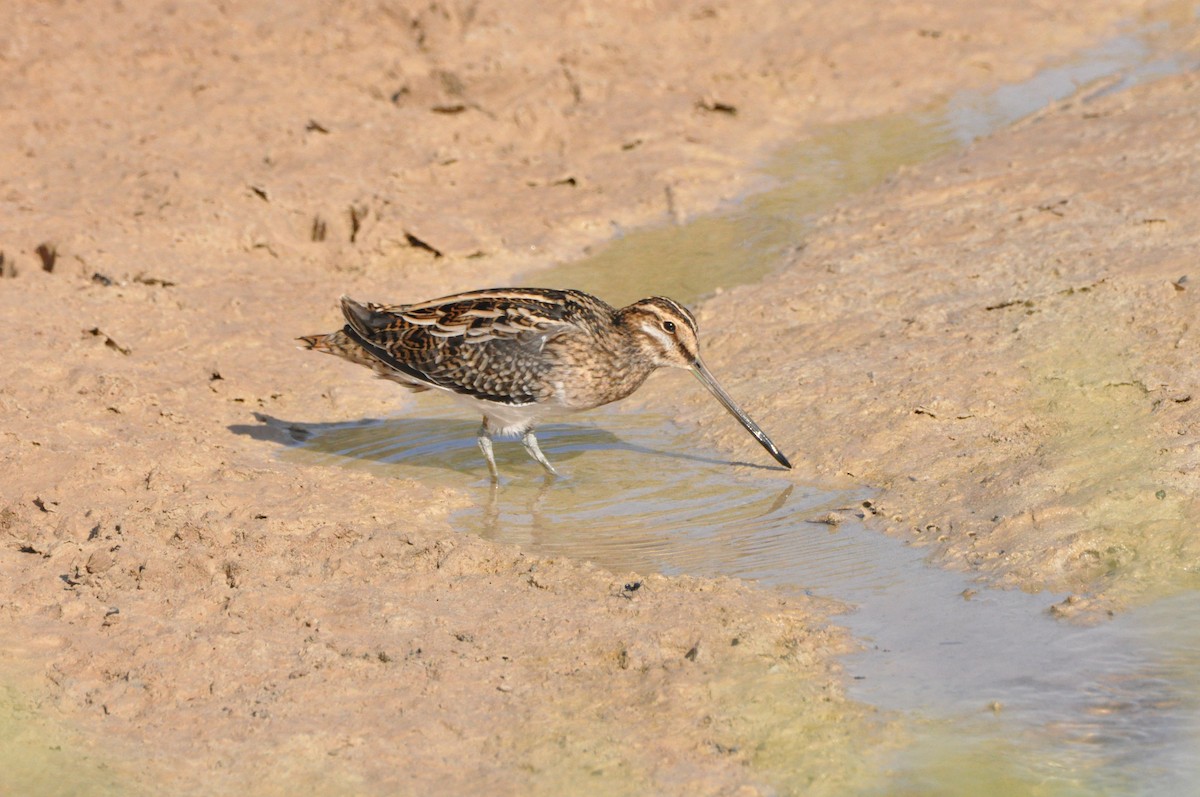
point(155, 281)
point(716, 106)
point(416, 242)
point(109, 342)
point(48, 254)
point(319, 229)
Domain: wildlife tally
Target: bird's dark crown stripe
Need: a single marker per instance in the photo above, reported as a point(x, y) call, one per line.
point(676, 309)
point(661, 311)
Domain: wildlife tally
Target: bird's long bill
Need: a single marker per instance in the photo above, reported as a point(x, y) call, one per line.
point(710, 382)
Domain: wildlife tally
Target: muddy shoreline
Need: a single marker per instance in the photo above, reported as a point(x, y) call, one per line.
point(191, 188)
point(1013, 370)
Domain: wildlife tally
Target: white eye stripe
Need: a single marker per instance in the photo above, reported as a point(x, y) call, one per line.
point(653, 330)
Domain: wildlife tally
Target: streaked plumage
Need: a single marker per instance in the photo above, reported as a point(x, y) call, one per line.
point(514, 353)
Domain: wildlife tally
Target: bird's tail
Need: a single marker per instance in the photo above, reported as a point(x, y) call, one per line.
point(342, 345)
point(337, 343)
point(318, 342)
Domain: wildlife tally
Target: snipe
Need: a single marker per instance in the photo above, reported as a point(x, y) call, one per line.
point(515, 353)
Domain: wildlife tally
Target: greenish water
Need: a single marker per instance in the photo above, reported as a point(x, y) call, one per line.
point(757, 233)
point(747, 242)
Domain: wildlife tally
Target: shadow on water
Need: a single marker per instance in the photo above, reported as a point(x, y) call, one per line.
point(448, 443)
point(736, 515)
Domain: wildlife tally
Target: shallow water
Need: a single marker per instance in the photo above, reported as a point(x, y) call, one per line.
point(1000, 697)
point(999, 694)
point(696, 514)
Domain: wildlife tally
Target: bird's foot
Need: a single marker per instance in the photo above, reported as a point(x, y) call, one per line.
point(531, 445)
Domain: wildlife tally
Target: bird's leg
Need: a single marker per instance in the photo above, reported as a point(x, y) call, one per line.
point(485, 445)
point(531, 445)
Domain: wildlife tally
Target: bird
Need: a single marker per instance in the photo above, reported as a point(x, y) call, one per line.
point(514, 354)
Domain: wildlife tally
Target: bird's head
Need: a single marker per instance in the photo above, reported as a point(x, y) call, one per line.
point(664, 332)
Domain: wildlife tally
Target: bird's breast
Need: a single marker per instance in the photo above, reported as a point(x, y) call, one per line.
point(587, 373)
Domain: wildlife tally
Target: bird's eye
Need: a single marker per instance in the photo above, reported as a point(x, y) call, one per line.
point(669, 326)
